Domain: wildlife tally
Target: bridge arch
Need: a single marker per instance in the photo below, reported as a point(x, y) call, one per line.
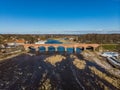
point(79, 49)
point(60, 49)
point(70, 49)
point(42, 49)
point(51, 49)
point(32, 49)
point(91, 48)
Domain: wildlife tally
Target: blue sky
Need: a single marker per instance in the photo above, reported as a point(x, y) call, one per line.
point(58, 16)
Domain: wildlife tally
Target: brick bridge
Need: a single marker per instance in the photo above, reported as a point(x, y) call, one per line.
point(56, 46)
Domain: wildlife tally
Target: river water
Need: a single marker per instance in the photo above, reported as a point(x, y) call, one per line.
point(52, 41)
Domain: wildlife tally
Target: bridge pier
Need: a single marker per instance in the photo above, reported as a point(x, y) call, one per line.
point(84, 48)
point(65, 52)
point(46, 48)
point(37, 51)
point(56, 50)
point(75, 49)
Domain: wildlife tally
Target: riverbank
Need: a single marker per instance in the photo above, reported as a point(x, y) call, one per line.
point(11, 55)
point(102, 62)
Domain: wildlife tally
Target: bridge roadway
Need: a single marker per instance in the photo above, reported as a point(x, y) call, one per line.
point(82, 46)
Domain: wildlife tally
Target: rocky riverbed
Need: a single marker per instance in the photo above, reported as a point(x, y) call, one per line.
point(56, 72)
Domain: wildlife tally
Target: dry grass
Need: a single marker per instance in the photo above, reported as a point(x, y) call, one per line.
point(114, 81)
point(94, 57)
point(79, 63)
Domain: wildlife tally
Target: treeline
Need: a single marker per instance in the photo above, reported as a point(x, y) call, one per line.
point(100, 38)
point(83, 38)
point(31, 38)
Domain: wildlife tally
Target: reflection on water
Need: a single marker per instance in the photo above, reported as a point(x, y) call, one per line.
point(61, 49)
point(70, 50)
point(51, 49)
point(78, 50)
point(51, 41)
point(42, 49)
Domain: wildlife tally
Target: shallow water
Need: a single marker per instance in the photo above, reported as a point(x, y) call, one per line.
point(51, 41)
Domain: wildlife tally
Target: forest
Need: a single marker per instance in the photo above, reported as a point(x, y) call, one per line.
point(100, 38)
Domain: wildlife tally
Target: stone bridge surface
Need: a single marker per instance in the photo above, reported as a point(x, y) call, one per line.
point(84, 46)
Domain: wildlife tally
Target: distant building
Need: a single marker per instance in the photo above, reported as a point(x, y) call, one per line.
point(40, 42)
point(20, 42)
point(10, 43)
point(71, 39)
point(16, 42)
